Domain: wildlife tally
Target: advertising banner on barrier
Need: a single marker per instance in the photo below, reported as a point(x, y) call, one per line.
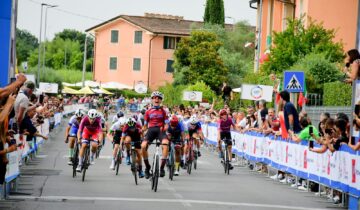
point(339, 170)
point(12, 168)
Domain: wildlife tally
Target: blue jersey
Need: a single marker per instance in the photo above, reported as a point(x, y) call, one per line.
point(74, 125)
point(175, 133)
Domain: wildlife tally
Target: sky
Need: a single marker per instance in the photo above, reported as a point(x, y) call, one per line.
point(83, 14)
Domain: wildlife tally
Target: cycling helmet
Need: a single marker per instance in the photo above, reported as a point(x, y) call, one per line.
point(193, 120)
point(122, 121)
point(157, 94)
point(174, 121)
point(120, 114)
point(79, 113)
point(143, 111)
point(223, 112)
point(92, 114)
point(131, 122)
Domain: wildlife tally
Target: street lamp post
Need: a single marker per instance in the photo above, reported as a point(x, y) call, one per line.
point(84, 62)
point(44, 53)
point(38, 71)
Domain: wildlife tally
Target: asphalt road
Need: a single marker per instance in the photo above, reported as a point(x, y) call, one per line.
point(47, 183)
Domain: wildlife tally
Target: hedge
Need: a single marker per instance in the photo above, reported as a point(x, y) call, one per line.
point(337, 94)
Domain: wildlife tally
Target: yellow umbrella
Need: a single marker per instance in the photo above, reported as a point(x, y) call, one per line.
point(106, 92)
point(85, 90)
point(68, 90)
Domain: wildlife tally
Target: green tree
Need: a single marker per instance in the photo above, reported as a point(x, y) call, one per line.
point(297, 41)
point(214, 12)
point(25, 44)
point(172, 94)
point(197, 58)
point(77, 36)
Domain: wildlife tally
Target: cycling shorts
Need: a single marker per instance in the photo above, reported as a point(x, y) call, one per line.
point(154, 133)
point(91, 135)
point(137, 144)
point(73, 131)
point(226, 136)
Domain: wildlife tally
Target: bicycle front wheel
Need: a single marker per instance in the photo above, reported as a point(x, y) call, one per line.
point(133, 165)
point(156, 173)
point(118, 162)
point(86, 162)
point(171, 167)
point(75, 159)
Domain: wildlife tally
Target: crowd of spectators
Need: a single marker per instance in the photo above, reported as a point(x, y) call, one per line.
point(21, 113)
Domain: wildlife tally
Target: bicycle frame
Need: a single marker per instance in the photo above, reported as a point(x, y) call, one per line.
point(155, 169)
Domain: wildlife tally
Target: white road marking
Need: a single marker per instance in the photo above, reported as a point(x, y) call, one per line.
point(220, 203)
point(41, 156)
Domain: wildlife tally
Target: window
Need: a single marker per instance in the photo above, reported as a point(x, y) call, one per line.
point(138, 37)
point(113, 63)
point(169, 67)
point(169, 42)
point(114, 36)
point(137, 64)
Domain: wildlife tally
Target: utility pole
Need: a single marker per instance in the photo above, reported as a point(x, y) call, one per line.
point(45, 39)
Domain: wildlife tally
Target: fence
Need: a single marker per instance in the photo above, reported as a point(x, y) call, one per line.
point(339, 170)
point(30, 147)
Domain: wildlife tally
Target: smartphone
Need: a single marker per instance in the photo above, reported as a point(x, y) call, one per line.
point(357, 109)
point(311, 130)
point(311, 144)
point(352, 140)
point(41, 99)
point(12, 79)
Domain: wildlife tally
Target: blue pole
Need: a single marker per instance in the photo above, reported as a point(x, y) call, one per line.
point(5, 43)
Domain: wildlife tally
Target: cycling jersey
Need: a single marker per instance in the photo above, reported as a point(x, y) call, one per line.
point(193, 128)
point(74, 123)
point(91, 127)
point(155, 117)
point(175, 133)
point(134, 132)
point(115, 119)
point(225, 125)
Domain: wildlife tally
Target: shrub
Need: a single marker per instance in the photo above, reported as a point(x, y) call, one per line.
point(337, 94)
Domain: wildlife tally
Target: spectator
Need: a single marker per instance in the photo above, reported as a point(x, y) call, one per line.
point(22, 102)
point(226, 92)
point(305, 132)
point(241, 121)
point(262, 112)
point(352, 65)
point(272, 122)
point(27, 126)
point(290, 114)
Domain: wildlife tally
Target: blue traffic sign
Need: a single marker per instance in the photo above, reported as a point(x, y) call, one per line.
point(294, 81)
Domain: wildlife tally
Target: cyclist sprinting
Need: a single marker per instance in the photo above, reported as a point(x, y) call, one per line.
point(90, 128)
point(224, 125)
point(71, 132)
point(194, 131)
point(176, 134)
point(132, 132)
point(104, 127)
point(116, 117)
point(155, 121)
point(116, 133)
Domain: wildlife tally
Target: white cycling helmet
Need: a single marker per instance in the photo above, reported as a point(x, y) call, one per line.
point(122, 121)
point(158, 94)
point(92, 114)
point(79, 113)
point(193, 120)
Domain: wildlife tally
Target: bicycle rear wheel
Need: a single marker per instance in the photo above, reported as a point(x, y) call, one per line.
point(86, 162)
point(118, 162)
point(171, 166)
point(226, 161)
point(195, 159)
point(133, 165)
point(156, 173)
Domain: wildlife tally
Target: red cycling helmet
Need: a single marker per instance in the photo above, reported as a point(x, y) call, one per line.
point(223, 112)
point(174, 121)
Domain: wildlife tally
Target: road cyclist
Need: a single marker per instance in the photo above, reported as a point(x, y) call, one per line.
point(71, 132)
point(89, 132)
point(224, 125)
point(115, 133)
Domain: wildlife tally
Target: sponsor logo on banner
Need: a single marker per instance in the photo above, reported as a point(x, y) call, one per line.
point(329, 165)
point(305, 159)
point(254, 146)
point(287, 153)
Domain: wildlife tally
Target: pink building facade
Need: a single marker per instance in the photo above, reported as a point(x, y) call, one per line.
point(132, 49)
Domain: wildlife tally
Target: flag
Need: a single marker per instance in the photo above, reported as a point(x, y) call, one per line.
point(302, 97)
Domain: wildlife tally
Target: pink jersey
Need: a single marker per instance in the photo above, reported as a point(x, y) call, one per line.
point(225, 125)
point(94, 127)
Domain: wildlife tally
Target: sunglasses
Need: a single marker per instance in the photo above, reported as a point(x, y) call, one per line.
point(156, 97)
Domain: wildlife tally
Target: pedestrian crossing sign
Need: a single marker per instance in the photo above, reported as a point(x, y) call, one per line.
point(294, 81)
